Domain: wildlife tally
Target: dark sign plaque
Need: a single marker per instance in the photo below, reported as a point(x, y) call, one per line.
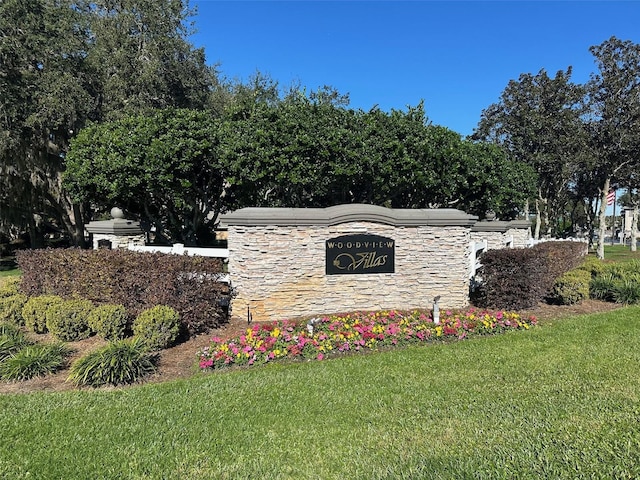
point(352, 254)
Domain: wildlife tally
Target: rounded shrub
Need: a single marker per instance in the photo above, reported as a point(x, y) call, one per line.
point(158, 327)
point(11, 308)
point(35, 310)
point(34, 361)
point(121, 362)
point(109, 321)
point(593, 265)
point(9, 287)
point(68, 320)
point(572, 287)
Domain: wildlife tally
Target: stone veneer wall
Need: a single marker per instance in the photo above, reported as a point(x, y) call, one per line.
point(520, 236)
point(494, 240)
point(278, 271)
point(498, 233)
point(118, 241)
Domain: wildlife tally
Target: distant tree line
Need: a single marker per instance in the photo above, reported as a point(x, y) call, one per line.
point(106, 103)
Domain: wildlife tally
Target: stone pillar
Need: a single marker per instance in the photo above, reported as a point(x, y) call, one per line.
point(116, 233)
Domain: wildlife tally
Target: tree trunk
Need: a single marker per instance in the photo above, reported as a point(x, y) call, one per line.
point(603, 218)
point(546, 219)
point(78, 233)
point(634, 228)
point(536, 233)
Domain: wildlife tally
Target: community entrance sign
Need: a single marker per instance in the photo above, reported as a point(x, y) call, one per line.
point(353, 254)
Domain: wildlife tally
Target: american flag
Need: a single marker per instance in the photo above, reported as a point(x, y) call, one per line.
point(611, 197)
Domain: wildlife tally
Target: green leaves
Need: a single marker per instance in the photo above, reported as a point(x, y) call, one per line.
point(164, 165)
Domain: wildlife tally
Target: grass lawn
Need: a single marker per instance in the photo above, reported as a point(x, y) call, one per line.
point(14, 272)
point(558, 401)
point(620, 253)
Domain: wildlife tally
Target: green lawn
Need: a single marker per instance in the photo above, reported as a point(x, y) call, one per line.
point(14, 272)
point(558, 401)
point(620, 253)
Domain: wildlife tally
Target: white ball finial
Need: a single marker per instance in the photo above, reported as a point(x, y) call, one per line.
point(117, 212)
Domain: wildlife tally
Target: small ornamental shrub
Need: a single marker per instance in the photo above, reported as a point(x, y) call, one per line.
point(109, 321)
point(11, 308)
point(593, 265)
point(34, 361)
point(35, 312)
point(121, 362)
point(572, 287)
point(520, 278)
point(158, 327)
point(68, 320)
point(9, 287)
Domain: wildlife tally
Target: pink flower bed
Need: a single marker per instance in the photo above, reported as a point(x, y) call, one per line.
point(352, 332)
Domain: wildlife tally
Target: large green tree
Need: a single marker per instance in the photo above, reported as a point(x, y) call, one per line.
point(538, 122)
point(163, 167)
point(142, 58)
point(304, 153)
point(614, 101)
point(46, 92)
point(66, 62)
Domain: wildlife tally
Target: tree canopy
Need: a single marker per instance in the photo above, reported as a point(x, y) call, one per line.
point(538, 122)
point(64, 63)
point(582, 140)
point(178, 169)
point(163, 166)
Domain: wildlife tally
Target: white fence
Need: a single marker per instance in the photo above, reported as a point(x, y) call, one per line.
point(476, 249)
point(180, 249)
point(532, 241)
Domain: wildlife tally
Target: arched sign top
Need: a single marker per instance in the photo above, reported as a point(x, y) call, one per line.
point(347, 213)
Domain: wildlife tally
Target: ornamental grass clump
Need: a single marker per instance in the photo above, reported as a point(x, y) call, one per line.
point(121, 362)
point(34, 361)
point(12, 340)
point(619, 282)
point(354, 332)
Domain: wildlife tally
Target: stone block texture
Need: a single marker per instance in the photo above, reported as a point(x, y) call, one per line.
point(278, 271)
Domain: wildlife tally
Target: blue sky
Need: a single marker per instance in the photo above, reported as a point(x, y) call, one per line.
point(457, 56)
